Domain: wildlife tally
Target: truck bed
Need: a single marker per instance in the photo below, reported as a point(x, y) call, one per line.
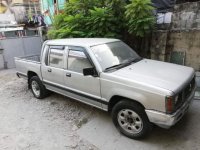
point(33, 58)
point(26, 64)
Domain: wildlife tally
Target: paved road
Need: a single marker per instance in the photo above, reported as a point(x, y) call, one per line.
point(63, 124)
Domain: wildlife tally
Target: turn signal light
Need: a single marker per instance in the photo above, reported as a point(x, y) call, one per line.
point(169, 103)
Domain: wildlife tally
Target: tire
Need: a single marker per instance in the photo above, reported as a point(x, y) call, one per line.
point(130, 119)
point(38, 89)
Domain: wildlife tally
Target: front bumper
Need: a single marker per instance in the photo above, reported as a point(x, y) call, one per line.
point(167, 120)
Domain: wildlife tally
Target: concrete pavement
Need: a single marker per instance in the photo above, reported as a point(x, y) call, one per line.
point(184, 135)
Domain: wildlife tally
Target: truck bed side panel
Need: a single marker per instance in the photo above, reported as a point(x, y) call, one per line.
point(23, 66)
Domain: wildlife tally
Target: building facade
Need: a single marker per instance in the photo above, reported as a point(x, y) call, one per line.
point(50, 8)
point(20, 9)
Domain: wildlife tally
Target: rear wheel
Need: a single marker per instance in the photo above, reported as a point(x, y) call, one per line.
point(37, 88)
point(130, 119)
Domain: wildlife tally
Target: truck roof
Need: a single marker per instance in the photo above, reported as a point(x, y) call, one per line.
point(81, 41)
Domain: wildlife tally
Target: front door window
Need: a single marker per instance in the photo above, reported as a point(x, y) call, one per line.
point(77, 61)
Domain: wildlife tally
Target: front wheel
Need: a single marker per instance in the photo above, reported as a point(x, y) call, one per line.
point(131, 120)
point(37, 88)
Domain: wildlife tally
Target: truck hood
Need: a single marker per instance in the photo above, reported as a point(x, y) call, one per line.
point(156, 73)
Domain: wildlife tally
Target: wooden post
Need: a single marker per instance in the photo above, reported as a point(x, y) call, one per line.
point(35, 7)
point(57, 7)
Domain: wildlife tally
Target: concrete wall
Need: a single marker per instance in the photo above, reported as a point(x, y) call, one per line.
point(1, 60)
point(158, 45)
point(186, 16)
point(15, 47)
point(182, 36)
point(188, 42)
point(7, 18)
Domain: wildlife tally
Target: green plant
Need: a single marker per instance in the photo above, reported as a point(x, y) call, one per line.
point(118, 7)
point(103, 18)
point(85, 18)
point(68, 26)
point(74, 7)
point(101, 23)
point(140, 17)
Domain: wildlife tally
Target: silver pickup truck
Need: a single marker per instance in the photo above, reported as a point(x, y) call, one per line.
point(108, 74)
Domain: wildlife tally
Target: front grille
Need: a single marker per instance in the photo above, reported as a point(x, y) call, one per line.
point(189, 89)
point(185, 93)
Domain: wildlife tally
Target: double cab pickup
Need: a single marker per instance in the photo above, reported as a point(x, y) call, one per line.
point(108, 74)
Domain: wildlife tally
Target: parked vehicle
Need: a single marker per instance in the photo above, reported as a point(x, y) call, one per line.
point(108, 74)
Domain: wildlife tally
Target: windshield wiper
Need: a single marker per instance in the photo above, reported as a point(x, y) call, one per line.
point(115, 66)
point(135, 60)
point(124, 64)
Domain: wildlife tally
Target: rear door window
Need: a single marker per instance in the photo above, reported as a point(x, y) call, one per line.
point(56, 56)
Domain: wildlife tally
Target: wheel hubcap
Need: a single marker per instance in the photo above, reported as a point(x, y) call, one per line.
point(35, 88)
point(130, 121)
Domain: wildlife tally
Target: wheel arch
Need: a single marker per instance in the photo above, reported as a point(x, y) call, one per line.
point(30, 74)
point(116, 98)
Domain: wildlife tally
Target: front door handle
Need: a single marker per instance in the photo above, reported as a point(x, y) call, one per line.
point(68, 74)
point(49, 70)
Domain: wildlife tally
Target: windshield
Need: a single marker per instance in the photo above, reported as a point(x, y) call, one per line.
point(113, 54)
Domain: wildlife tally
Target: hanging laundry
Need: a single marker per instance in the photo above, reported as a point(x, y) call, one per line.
point(34, 21)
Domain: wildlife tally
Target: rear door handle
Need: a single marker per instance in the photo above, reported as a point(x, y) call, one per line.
point(68, 74)
point(49, 70)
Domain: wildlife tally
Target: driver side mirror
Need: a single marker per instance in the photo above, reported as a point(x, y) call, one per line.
point(89, 71)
